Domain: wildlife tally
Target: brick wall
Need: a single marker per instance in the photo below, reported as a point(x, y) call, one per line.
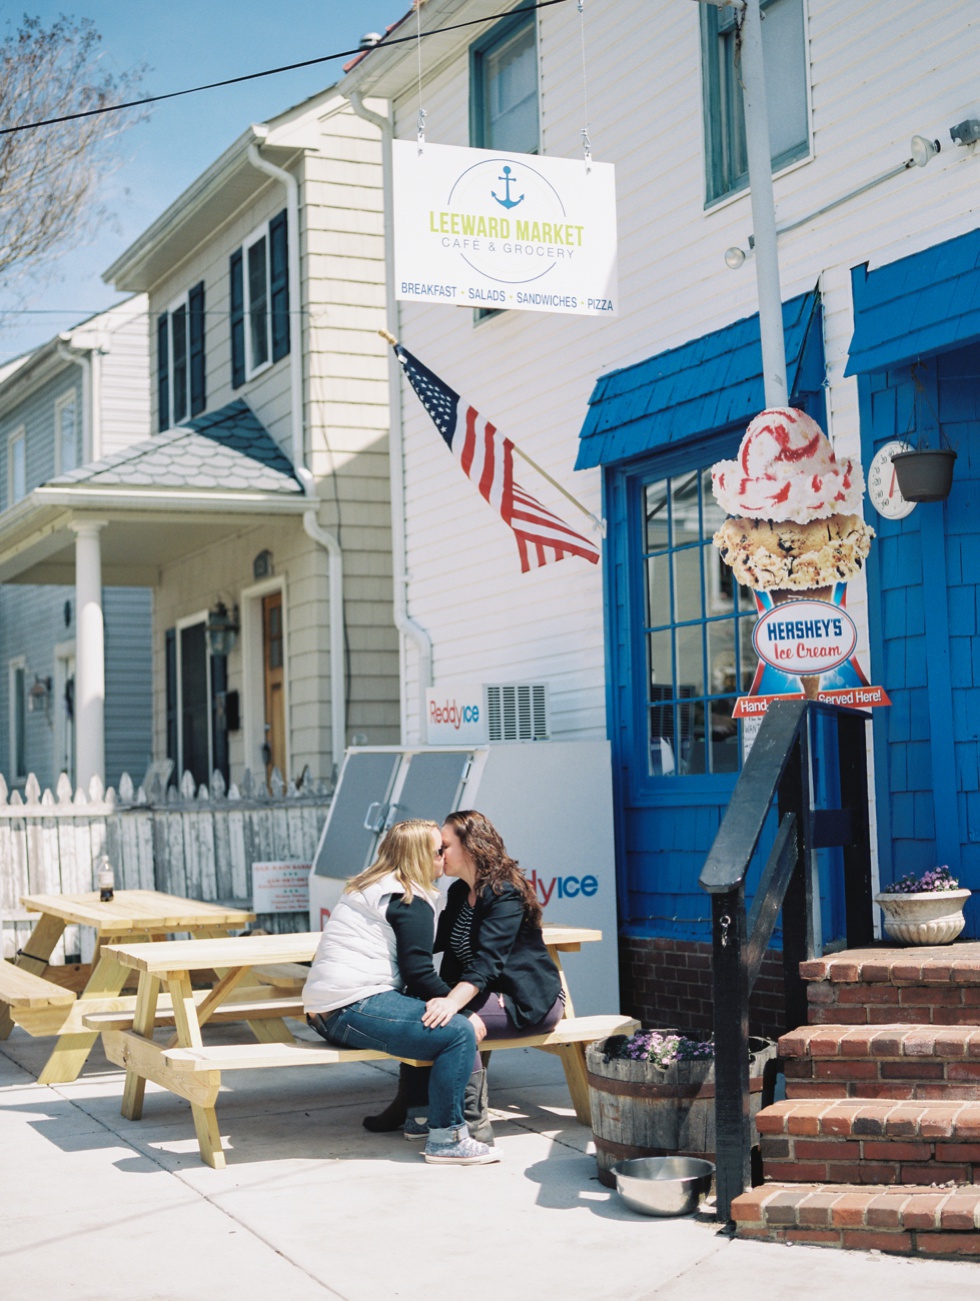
point(667, 983)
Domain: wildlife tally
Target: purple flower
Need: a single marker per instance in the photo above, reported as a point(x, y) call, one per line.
point(939, 878)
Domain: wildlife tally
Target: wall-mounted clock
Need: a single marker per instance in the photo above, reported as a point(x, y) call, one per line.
point(883, 489)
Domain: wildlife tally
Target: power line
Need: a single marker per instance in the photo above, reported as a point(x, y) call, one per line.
point(272, 72)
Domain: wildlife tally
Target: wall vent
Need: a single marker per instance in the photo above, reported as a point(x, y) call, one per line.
point(518, 711)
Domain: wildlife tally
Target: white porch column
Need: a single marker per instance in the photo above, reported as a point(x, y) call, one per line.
point(89, 654)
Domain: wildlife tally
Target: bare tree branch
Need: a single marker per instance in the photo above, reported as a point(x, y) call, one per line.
point(49, 176)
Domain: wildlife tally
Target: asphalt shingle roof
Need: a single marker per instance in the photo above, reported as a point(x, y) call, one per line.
point(227, 449)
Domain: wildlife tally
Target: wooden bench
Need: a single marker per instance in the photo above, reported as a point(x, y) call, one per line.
point(241, 1005)
point(192, 1069)
point(195, 1073)
point(25, 994)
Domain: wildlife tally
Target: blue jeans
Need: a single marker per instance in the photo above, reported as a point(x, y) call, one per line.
point(392, 1023)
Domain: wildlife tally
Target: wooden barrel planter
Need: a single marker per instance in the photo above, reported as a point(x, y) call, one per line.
point(639, 1109)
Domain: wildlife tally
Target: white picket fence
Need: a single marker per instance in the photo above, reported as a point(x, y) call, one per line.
point(199, 843)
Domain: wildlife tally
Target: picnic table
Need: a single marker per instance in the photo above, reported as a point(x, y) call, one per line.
point(192, 1069)
point(39, 997)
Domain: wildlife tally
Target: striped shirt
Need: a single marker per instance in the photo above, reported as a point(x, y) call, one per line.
point(461, 936)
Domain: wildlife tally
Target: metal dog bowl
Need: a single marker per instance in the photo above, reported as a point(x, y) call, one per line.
point(663, 1185)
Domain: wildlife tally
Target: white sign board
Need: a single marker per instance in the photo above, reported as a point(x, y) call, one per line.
point(280, 887)
point(478, 228)
point(455, 716)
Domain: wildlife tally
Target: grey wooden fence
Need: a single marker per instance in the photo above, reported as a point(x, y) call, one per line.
point(199, 843)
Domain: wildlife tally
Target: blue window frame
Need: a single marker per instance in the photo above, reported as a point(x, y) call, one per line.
point(696, 626)
point(504, 95)
point(504, 87)
point(783, 47)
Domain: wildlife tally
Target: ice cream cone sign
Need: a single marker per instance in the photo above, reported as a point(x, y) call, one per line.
point(795, 535)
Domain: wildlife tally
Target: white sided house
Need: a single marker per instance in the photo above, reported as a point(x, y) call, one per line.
point(879, 254)
point(257, 509)
point(80, 397)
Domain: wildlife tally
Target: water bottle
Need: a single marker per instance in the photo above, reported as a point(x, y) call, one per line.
point(106, 880)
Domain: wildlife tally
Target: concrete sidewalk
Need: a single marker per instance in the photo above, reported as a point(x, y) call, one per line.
point(311, 1206)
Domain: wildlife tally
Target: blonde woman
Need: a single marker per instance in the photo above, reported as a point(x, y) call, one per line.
point(495, 959)
point(373, 973)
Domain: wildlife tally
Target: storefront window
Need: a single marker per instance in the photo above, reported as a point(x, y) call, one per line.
point(698, 631)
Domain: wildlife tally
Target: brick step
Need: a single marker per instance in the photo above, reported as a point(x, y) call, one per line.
point(928, 1062)
point(937, 985)
point(908, 1221)
point(860, 1141)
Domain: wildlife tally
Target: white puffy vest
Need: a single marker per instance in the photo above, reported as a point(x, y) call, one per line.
point(356, 955)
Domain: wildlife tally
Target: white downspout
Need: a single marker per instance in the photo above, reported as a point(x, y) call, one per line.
point(335, 558)
point(298, 452)
point(407, 626)
point(89, 357)
point(311, 524)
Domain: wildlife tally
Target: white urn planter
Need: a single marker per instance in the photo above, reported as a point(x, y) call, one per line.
point(930, 917)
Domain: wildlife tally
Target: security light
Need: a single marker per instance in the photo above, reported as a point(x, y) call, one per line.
point(923, 149)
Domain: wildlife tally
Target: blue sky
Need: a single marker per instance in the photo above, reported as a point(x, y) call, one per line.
point(185, 43)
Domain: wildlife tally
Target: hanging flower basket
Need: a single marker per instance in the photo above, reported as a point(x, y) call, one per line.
point(925, 474)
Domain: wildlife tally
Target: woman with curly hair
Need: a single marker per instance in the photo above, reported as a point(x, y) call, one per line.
point(495, 960)
point(373, 970)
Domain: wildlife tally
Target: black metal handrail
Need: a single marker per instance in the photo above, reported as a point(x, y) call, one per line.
point(778, 768)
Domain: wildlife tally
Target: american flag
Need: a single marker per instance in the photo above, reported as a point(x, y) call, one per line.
point(487, 458)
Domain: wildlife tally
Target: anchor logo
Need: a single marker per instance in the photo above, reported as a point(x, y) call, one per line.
point(506, 201)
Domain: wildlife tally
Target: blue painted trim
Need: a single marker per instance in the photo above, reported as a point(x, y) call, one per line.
point(876, 639)
point(916, 306)
point(613, 553)
point(939, 685)
point(698, 389)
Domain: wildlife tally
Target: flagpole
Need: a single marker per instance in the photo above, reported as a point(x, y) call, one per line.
point(599, 524)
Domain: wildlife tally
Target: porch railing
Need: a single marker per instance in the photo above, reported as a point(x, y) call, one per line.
point(780, 770)
point(199, 842)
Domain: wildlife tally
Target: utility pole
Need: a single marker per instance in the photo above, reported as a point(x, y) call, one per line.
point(749, 68)
point(763, 205)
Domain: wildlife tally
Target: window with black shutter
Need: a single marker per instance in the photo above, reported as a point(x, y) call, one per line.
point(279, 284)
point(195, 307)
point(237, 300)
point(163, 372)
point(258, 303)
point(170, 646)
point(259, 317)
point(178, 343)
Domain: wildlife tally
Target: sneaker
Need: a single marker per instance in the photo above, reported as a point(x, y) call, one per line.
point(466, 1152)
point(415, 1128)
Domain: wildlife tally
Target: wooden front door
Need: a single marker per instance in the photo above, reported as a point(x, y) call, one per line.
point(274, 747)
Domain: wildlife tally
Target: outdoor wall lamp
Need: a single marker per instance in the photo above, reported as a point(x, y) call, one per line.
point(221, 629)
point(923, 149)
point(735, 256)
point(39, 694)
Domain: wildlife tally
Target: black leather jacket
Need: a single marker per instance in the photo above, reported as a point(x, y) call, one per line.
point(509, 954)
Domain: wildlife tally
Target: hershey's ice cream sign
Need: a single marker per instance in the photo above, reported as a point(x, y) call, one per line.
point(795, 535)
